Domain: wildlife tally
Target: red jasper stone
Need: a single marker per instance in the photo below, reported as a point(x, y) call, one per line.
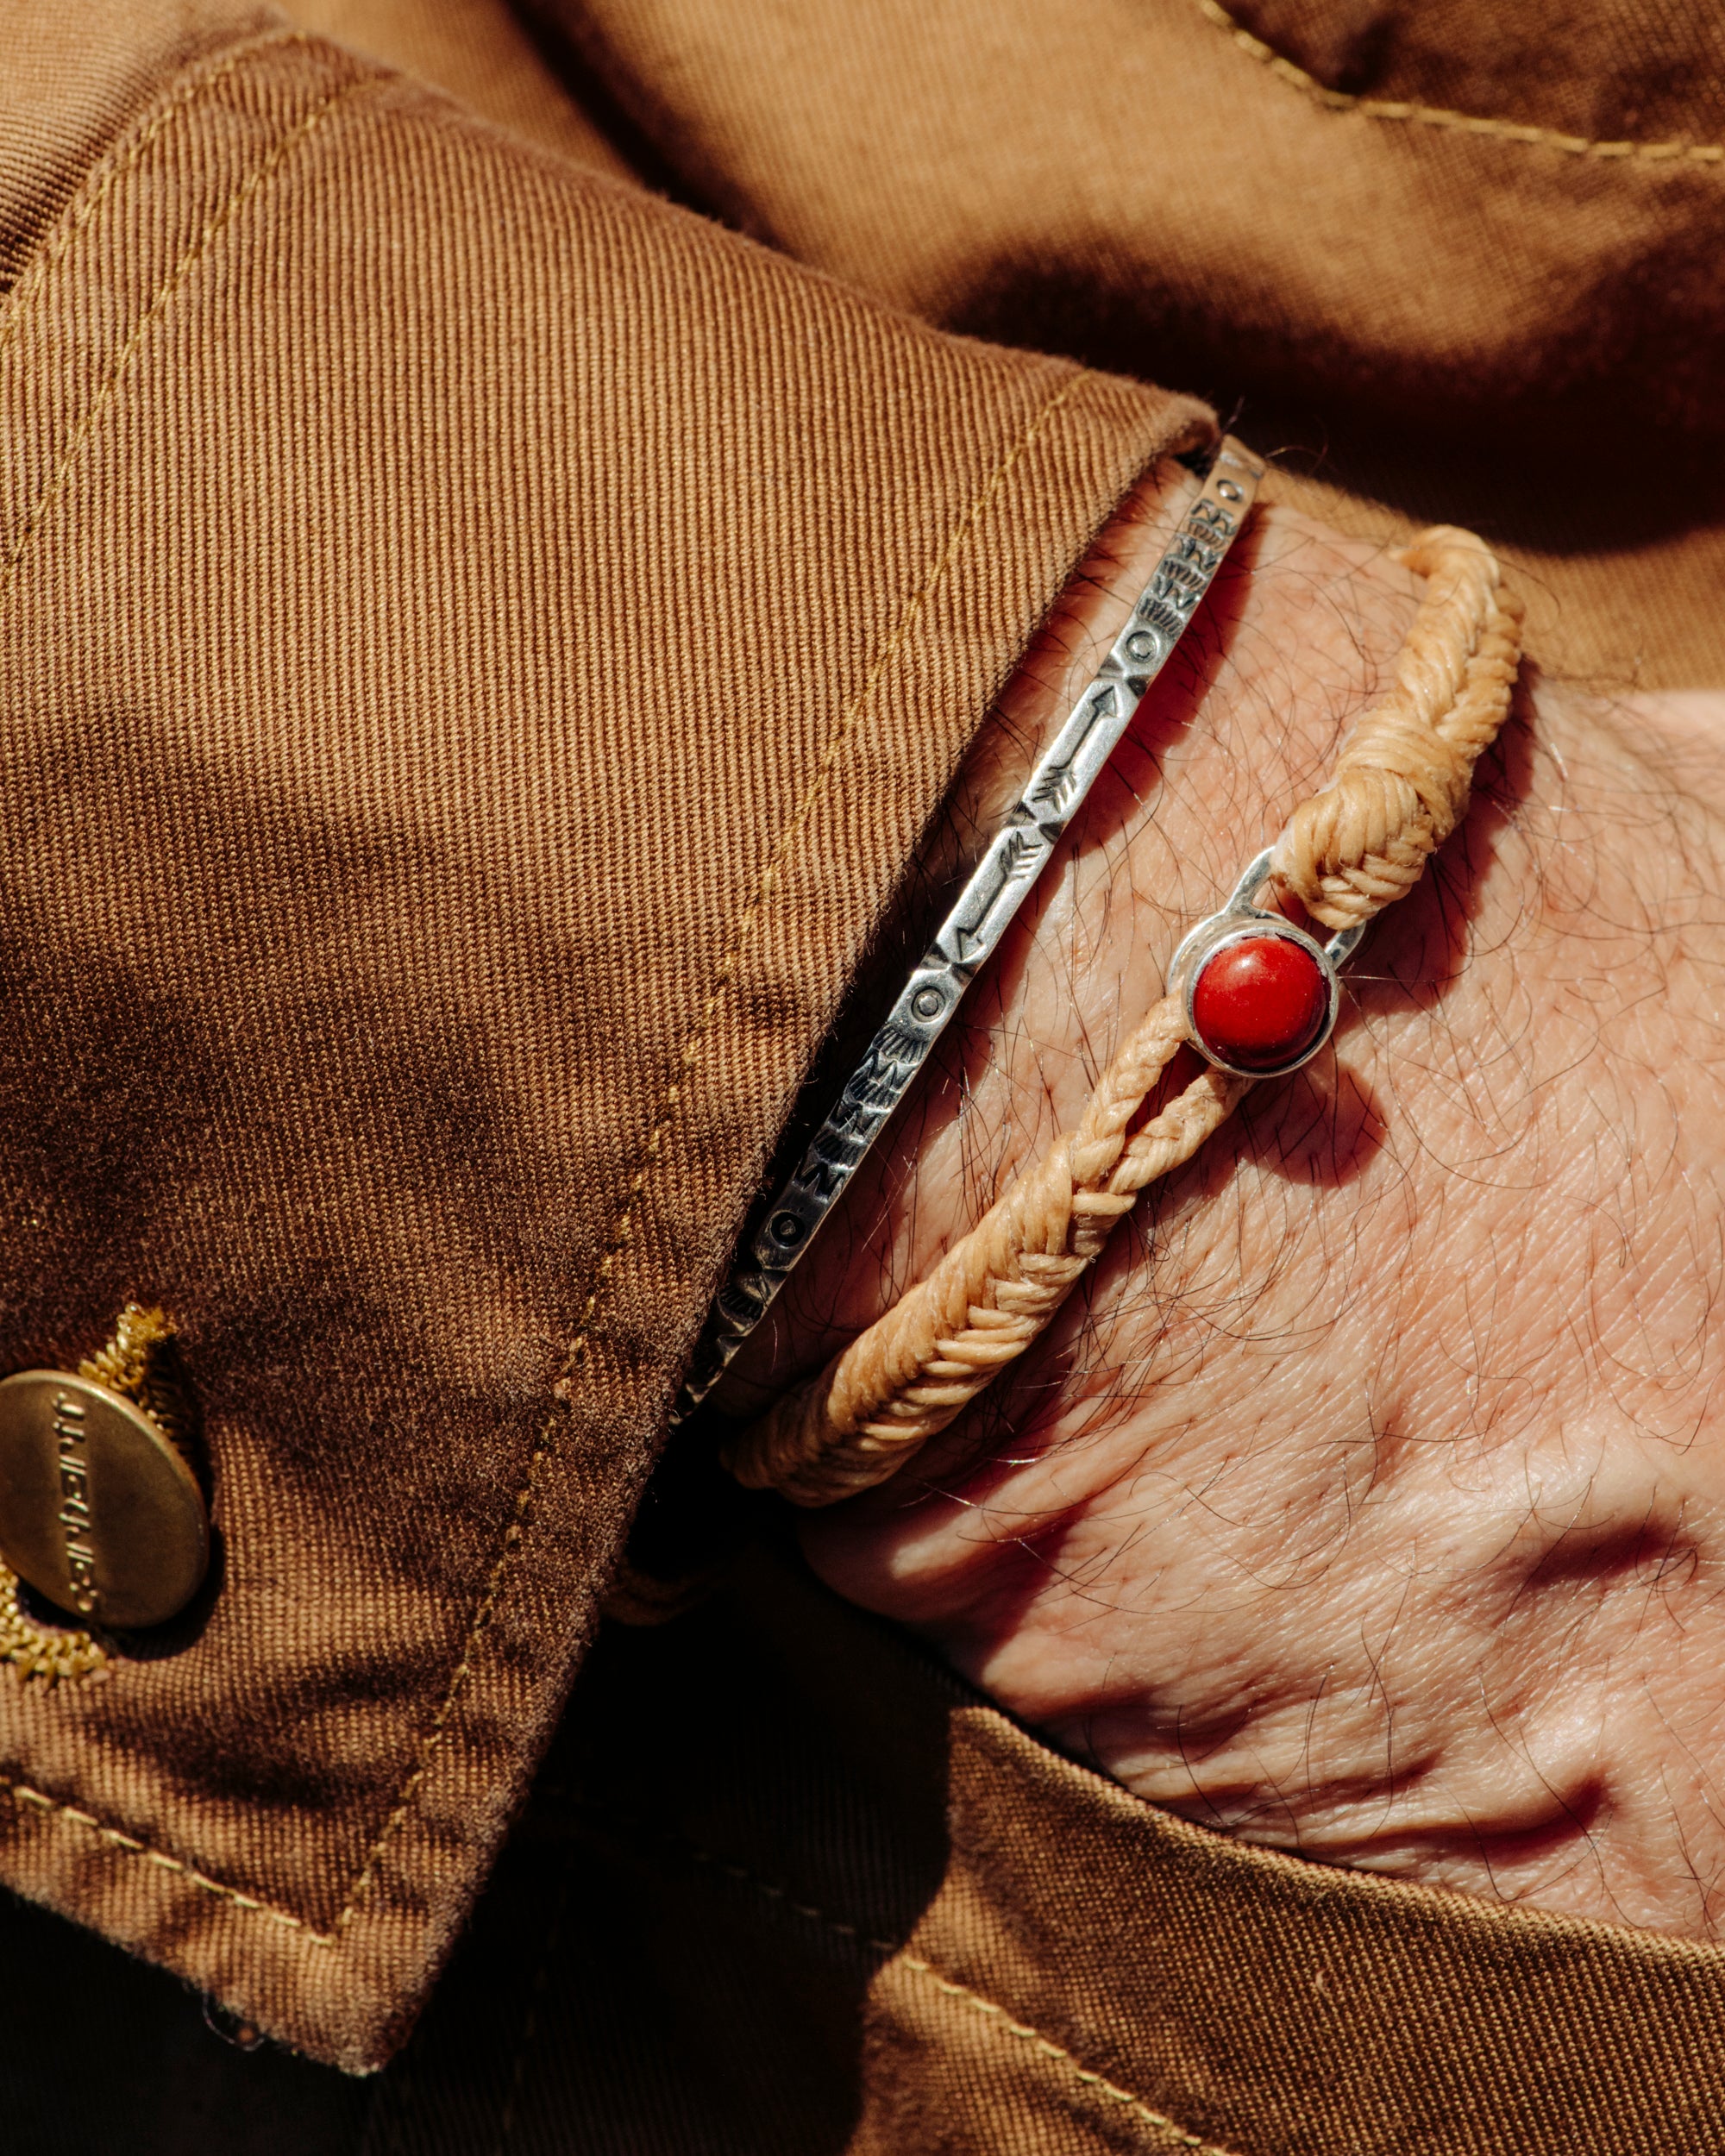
point(1261, 1002)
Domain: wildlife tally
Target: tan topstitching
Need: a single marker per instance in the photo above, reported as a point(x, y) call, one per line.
point(129, 1845)
point(84, 208)
point(691, 1051)
point(900, 1957)
point(1440, 116)
point(258, 177)
point(253, 183)
point(688, 1057)
point(23, 1793)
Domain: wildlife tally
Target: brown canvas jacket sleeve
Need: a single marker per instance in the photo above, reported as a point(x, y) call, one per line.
point(478, 647)
point(1459, 260)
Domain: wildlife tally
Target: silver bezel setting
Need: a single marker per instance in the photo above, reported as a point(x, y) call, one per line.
point(1242, 921)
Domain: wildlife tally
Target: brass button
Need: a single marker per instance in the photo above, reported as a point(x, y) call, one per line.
point(97, 1511)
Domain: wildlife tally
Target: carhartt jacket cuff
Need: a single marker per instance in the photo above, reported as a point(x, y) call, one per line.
point(480, 648)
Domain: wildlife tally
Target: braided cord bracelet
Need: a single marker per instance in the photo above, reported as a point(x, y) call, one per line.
point(983, 910)
point(1253, 993)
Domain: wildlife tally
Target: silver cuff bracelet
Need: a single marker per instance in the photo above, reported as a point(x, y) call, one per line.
point(991, 897)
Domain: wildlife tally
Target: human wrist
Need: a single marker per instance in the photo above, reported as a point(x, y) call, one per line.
point(1377, 1511)
point(1295, 636)
point(1359, 1504)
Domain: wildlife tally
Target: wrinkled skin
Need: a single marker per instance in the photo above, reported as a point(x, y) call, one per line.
point(1371, 1500)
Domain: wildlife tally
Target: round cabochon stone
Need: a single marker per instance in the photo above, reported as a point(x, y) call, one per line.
point(1260, 1002)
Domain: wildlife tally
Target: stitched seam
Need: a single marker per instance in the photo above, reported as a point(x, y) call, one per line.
point(129, 1845)
point(900, 1956)
point(85, 208)
point(689, 1055)
point(20, 1792)
point(258, 178)
point(1050, 2049)
point(1439, 116)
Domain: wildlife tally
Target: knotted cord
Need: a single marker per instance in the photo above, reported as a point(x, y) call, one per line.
point(1401, 787)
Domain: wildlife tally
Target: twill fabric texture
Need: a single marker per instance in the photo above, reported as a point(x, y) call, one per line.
point(480, 646)
point(499, 565)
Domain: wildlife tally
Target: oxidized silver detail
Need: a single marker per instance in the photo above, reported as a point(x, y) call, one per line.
point(1240, 920)
point(996, 888)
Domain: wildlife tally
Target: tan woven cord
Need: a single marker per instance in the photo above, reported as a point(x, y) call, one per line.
point(1400, 788)
point(1401, 784)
